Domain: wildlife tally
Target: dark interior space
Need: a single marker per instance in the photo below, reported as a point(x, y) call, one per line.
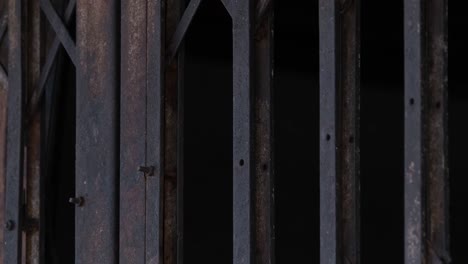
point(208, 137)
point(458, 130)
point(382, 132)
point(296, 101)
point(58, 157)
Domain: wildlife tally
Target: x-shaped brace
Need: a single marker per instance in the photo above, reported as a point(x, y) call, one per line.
point(60, 39)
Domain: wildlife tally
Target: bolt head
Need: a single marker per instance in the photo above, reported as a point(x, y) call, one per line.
point(78, 201)
point(10, 225)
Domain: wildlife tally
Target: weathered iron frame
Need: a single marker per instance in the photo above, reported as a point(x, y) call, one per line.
point(138, 110)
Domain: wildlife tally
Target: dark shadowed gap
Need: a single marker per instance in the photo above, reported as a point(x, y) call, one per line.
point(458, 130)
point(296, 131)
point(59, 173)
point(58, 151)
point(208, 137)
point(382, 134)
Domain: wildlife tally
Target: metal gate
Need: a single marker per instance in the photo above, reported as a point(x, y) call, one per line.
point(129, 176)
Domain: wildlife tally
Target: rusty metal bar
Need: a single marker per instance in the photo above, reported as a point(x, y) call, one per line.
point(155, 70)
point(14, 145)
point(60, 29)
point(243, 132)
point(33, 195)
point(97, 150)
point(339, 132)
point(3, 118)
point(329, 173)
point(415, 248)
point(264, 168)
point(349, 135)
point(426, 174)
point(133, 136)
point(414, 185)
point(15, 130)
point(437, 129)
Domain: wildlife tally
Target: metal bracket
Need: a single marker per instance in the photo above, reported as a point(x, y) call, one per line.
point(147, 170)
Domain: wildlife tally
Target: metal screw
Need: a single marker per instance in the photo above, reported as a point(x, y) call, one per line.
point(78, 201)
point(147, 170)
point(10, 225)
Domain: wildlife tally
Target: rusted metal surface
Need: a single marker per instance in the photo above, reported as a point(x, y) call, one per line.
point(437, 138)
point(14, 144)
point(415, 249)
point(133, 136)
point(426, 172)
point(3, 121)
point(155, 65)
point(339, 138)
point(3, 110)
point(243, 132)
point(145, 223)
point(264, 138)
point(349, 136)
point(33, 144)
point(97, 150)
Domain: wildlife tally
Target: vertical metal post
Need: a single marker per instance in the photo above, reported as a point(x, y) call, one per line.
point(97, 132)
point(339, 132)
point(33, 144)
point(264, 164)
point(3, 118)
point(426, 174)
point(349, 135)
point(243, 132)
point(133, 136)
point(437, 129)
point(414, 83)
point(155, 70)
point(3, 121)
point(14, 144)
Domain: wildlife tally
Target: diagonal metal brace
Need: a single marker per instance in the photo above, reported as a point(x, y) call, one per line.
point(59, 29)
point(46, 69)
point(182, 28)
